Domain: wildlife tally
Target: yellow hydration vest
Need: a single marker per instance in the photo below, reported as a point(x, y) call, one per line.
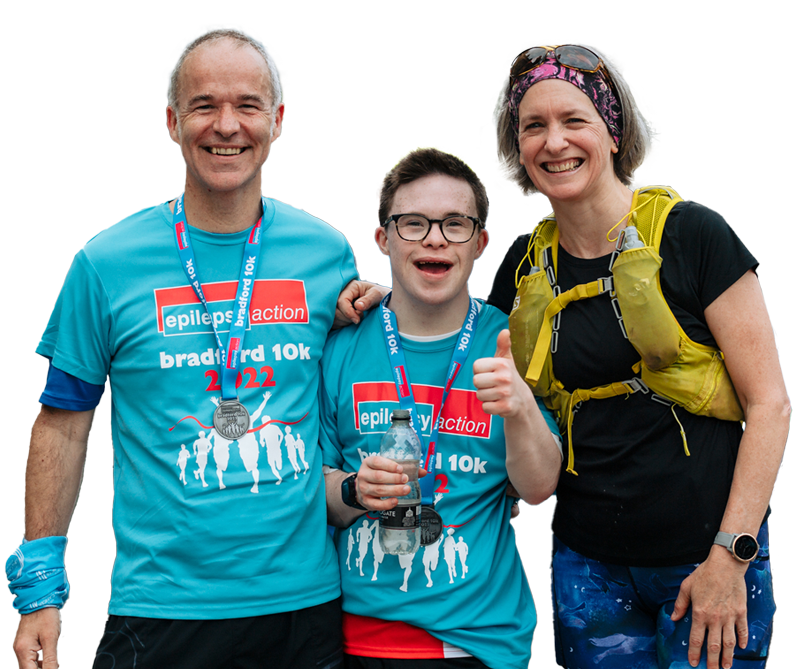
point(674, 368)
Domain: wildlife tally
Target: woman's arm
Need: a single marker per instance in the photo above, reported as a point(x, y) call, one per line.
point(739, 322)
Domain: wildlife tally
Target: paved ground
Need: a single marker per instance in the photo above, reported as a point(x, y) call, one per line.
point(24, 375)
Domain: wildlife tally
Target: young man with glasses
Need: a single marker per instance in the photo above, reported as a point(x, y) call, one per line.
point(462, 599)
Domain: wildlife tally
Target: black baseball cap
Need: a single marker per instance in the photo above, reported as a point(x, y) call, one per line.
point(338, 171)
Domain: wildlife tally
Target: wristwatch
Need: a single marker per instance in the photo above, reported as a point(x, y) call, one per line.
point(743, 547)
point(349, 492)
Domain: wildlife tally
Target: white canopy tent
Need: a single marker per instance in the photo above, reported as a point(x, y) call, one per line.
point(139, 57)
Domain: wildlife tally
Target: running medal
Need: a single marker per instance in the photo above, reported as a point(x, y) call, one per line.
point(231, 419)
point(430, 525)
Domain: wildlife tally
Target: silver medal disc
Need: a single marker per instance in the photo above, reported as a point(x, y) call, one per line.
point(430, 525)
point(231, 419)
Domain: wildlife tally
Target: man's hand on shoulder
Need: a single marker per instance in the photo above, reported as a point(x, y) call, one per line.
point(356, 298)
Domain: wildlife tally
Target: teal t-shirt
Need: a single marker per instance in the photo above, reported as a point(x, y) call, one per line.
point(469, 589)
point(208, 528)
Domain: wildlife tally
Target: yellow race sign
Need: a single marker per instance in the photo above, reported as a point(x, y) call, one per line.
point(394, 109)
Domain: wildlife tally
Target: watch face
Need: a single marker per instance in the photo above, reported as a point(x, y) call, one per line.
point(745, 547)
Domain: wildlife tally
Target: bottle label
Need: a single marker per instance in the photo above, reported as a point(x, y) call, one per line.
point(401, 518)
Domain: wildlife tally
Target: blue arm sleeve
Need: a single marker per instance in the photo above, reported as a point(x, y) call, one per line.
point(65, 391)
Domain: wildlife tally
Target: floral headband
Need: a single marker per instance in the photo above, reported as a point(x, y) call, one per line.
point(595, 85)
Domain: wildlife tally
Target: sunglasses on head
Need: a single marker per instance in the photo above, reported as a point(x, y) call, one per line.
point(569, 55)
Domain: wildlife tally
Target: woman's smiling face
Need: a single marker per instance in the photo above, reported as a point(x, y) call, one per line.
point(564, 144)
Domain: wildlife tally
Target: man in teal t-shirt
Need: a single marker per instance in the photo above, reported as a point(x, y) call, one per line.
point(462, 600)
point(211, 343)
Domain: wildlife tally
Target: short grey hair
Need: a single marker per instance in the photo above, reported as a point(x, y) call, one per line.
point(276, 90)
point(633, 144)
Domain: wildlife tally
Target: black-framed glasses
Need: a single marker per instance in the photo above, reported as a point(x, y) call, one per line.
point(415, 227)
point(569, 55)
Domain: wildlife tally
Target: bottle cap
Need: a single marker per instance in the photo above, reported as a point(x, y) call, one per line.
point(401, 414)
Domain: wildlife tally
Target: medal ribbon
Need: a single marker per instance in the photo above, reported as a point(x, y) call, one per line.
point(405, 395)
point(228, 356)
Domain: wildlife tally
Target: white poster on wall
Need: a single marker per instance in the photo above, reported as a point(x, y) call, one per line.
point(777, 168)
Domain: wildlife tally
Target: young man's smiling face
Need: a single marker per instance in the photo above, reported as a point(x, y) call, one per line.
point(433, 272)
point(225, 123)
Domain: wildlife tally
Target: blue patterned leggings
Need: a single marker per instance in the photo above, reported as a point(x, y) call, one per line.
point(613, 617)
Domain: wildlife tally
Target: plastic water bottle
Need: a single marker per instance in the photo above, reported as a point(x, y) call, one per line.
point(399, 527)
point(632, 240)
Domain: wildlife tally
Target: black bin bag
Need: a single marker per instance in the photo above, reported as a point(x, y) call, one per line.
point(91, 546)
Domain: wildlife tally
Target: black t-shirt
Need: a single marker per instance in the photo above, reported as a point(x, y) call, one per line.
point(638, 499)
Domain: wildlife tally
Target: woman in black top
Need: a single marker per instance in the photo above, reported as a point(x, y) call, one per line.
point(638, 577)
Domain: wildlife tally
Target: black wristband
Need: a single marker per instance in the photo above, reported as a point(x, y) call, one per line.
point(349, 492)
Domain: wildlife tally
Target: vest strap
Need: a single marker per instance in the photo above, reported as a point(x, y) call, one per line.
point(599, 393)
point(558, 303)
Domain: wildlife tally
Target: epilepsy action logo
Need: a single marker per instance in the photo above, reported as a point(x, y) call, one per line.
point(179, 311)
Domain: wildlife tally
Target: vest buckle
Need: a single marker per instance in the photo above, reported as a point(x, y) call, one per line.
point(605, 284)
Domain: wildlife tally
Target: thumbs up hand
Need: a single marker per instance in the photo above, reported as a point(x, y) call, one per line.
point(503, 349)
point(499, 385)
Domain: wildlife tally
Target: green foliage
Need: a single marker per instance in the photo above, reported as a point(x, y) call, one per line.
point(701, 111)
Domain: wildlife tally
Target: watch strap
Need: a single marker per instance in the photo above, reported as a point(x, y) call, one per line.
point(725, 539)
point(728, 540)
point(349, 496)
